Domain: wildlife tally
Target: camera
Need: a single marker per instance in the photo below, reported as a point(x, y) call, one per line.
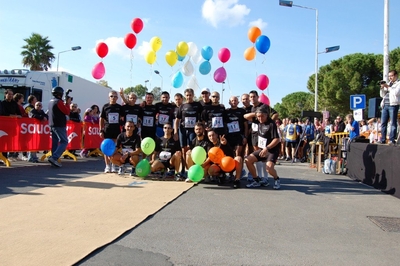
point(382, 82)
point(67, 95)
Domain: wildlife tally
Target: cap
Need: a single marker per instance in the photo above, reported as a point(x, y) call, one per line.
point(205, 90)
point(88, 110)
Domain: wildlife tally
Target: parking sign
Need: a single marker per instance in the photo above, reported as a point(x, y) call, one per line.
point(358, 101)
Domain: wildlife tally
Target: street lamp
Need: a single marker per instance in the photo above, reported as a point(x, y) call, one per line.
point(158, 73)
point(75, 48)
point(145, 84)
point(290, 4)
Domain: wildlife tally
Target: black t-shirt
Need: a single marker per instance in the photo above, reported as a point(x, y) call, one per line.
point(130, 144)
point(235, 121)
point(205, 103)
point(10, 108)
point(189, 113)
point(228, 151)
point(165, 113)
point(112, 114)
point(132, 113)
point(267, 132)
point(149, 117)
point(215, 118)
point(166, 148)
point(205, 143)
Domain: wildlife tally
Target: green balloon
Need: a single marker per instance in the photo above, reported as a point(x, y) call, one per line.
point(148, 145)
point(199, 155)
point(196, 173)
point(143, 168)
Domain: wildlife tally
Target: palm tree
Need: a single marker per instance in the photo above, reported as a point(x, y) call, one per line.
point(37, 54)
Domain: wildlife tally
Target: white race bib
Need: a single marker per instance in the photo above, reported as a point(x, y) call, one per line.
point(165, 155)
point(217, 122)
point(162, 119)
point(254, 127)
point(113, 118)
point(190, 121)
point(262, 142)
point(233, 127)
point(132, 118)
point(148, 121)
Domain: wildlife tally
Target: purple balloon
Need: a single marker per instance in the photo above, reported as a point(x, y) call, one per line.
point(220, 75)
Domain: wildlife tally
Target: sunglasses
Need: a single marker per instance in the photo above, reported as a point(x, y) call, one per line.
point(214, 96)
point(167, 127)
point(204, 92)
point(113, 96)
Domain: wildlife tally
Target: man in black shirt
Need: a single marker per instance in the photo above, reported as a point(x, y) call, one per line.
point(165, 111)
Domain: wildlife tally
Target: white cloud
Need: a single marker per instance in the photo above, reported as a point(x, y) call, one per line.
point(224, 11)
point(258, 23)
point(116, 46)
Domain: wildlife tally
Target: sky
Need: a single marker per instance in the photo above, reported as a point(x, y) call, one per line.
point(355, 25)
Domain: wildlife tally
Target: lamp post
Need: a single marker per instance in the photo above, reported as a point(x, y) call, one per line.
point(158, 73)
point(222, 94)
point(145, 84)
point(74, 48)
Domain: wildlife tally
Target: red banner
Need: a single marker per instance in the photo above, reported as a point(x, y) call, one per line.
point(91, 138)
point(29, 134)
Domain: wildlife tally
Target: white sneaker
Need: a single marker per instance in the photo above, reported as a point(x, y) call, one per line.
point(107, 169)
point(264, 182)
point(253, 184)
point(277, 184)
point(113, 169)
point(24, 158)
point(187, 180)
point(121, 170)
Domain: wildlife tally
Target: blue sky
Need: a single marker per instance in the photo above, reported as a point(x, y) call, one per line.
point(357, 26)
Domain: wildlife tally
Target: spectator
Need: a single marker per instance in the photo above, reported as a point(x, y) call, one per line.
point(353, 127)
point(74, 113)
point(37, 113)
point(31, 103)
point(10, 108)
point(87, 117)
point(95, 113)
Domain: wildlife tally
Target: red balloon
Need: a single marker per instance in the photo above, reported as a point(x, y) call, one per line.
point(102, 49)
point(98, 70)
point(224, 54)
point(262, 82)
point(130, 40)
point(264, 99)
point(137, 25)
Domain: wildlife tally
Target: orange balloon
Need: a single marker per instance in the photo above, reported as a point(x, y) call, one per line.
point(227, 164)
point(250, 53)
point(253, 34)
point(216, 154)
point(214, 170)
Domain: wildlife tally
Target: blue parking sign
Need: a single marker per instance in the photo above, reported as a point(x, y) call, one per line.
point(358, 101)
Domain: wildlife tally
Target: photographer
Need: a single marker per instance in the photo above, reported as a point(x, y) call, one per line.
point(58, 110)
point(390, 94)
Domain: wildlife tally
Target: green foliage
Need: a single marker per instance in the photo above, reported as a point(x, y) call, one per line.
point(157, 94)
point(37, 53)
point(139, 90)
point(292, 104)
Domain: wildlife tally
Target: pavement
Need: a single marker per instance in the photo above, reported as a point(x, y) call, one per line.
point(314, 219)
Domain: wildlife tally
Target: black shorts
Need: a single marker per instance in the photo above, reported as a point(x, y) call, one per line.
point(166, 164)
point(111, 133)
point(271, 157)
point(234, 140)
point(291, 144)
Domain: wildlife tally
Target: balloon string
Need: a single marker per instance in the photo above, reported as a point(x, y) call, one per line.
point(131, 72)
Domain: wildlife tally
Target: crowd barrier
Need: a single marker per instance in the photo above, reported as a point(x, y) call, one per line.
point(30, 134)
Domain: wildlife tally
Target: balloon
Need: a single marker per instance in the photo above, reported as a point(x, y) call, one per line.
point(155, 43)
point(137, 25)
point(250, 53)
point(262, 82)
point(188, 69)
point(148, 145)
point(227, 164)
point(220, 75)
point(182, 48)
point(98, 70)
point(102, 49)
point(214, 170)
point(107, 146)
point(150, 57)
point(193, 83)
point(207, 52)
point(196, 173)
point(177, 80)
point(130, 40)
point(180, 58)
point(192, 49)
point(197, 58)
point(159, 132)
point(143, 168)
point(205, 67)
point(224, 54)
point(253, 34)
point(264, 99)
point(216, 154)
point(171, 57)
point(262, 44)
point(198, 155)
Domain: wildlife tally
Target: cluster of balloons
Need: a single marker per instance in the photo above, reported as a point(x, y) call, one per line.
point(196, 171)
point(155, 45)
point(143, 167)
point(207, 53)
point(130, 39)
point(220, 73)
point(217, 156)
point(260, 42)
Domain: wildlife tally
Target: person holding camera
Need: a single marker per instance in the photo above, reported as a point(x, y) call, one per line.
point(57, 112)
point(390, 94)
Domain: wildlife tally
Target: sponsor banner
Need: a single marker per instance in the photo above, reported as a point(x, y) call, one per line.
point(29, 134)
point(91, 138)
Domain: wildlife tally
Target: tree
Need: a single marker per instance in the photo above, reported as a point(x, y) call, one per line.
point(139, 90)
point(293, 103)
point(104, 83)
point(37, 54)
point(157, 94)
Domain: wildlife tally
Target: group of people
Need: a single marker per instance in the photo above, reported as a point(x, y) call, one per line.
point(248, 135)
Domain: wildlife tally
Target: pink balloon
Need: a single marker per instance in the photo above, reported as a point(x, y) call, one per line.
point(224, 54)
point(264, 99)
point(98, 70)
point(220, 75)
point(262, 82)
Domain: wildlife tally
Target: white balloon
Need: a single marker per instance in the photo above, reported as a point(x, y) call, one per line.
point(193, 84)
point(192, 49)
point(197, 58)
point(187, 68)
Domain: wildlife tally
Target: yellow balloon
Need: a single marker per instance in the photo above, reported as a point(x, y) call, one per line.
point(171, 57)
point(155, 43)
point(182, 49)
point(150, 57)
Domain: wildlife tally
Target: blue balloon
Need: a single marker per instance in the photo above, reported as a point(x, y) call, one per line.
point(108, 147)
point(205, 67)
point(207, 52)
point(262, 44)
point(177, 80)
point(180, 58)
point(159, 132)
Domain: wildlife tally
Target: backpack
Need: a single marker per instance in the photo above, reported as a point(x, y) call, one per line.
point(329, 167)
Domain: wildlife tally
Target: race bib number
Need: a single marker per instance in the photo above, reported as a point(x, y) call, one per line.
point(113, 118)
point(217, 122)
point(132, 118)
point(262, 142)
point(189, 122)
point(165, 155)
point(162, 119)
point(148, 121)
point(254, 127)
point(233, 127)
